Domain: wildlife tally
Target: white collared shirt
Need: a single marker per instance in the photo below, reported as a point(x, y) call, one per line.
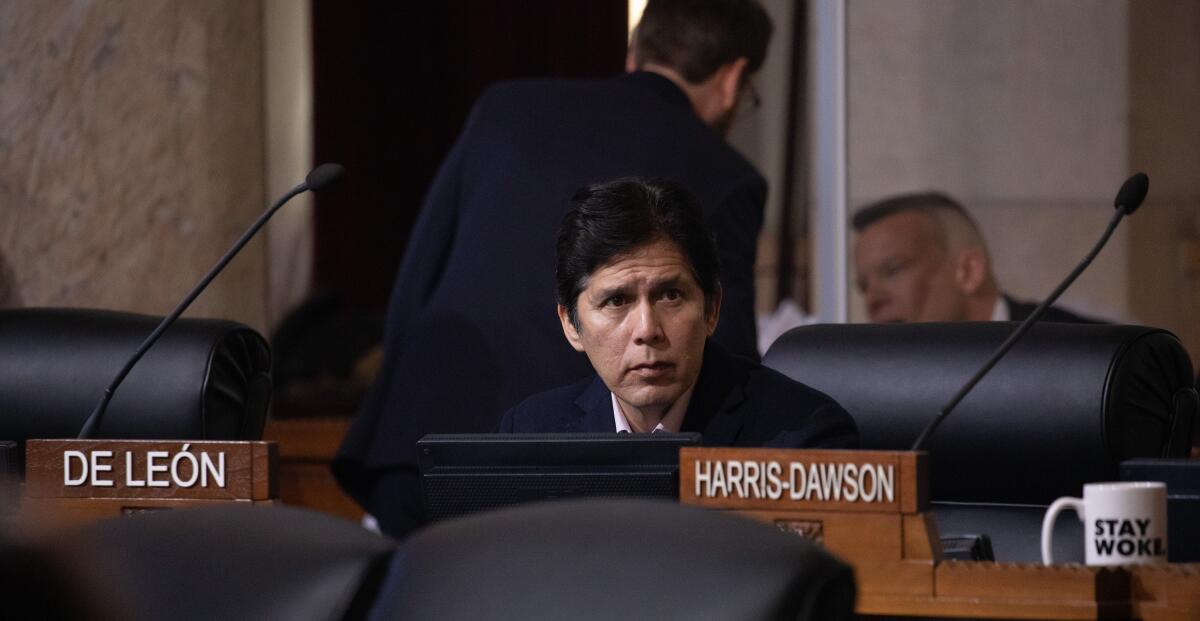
point(1000, 310)
point(672, 422)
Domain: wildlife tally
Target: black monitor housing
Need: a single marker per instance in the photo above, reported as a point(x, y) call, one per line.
point(466, 473)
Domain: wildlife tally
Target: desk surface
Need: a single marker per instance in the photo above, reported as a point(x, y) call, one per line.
point(893, 544)
point(982, 590)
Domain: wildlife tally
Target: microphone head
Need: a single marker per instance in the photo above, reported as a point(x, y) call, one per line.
point(1132, 193)
point(323, 175)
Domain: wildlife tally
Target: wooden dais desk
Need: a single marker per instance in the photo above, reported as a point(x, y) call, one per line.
point(871, 509)
point(307, 446)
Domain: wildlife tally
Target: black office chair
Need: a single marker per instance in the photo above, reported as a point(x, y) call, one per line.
point(221, 562)
point(204, 380)
point(612, 559)
point(1064, 408)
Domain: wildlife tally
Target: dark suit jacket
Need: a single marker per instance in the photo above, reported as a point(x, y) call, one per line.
point(471, 323)
point(1018, 311)
point(737, 402)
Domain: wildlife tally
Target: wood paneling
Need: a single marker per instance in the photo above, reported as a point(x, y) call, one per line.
point(306, 448)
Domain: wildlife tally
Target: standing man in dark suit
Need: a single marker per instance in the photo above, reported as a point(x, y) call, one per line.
point(638, 293)
point(469, 331)
point(920, 257)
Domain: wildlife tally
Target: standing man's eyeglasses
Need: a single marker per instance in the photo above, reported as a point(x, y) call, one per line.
point(750, 100)
point(752, 93)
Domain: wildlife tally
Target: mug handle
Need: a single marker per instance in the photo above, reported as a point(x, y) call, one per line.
point(1066, 502)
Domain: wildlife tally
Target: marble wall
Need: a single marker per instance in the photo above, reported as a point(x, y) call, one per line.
point(288, 92)
point(1033, 113)
point(1019, 109)
point(131, 152)
point(1164, 101)
point(761, 136)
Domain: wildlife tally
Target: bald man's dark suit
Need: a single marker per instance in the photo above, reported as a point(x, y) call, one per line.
point(1018, 311)
point(471, 324)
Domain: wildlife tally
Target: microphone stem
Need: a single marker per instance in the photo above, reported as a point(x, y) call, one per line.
point(97, 415)
point(1019, 332)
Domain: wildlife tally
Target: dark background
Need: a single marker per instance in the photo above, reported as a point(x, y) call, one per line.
point(393, 84)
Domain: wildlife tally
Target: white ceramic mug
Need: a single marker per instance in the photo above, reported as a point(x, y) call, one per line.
point(1123, 523)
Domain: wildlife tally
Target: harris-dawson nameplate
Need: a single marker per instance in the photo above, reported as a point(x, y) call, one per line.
point(802, 480)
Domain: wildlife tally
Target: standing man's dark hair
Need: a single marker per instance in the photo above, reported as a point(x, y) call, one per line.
point(608, 220)
point(710, 49)
point(697, 37)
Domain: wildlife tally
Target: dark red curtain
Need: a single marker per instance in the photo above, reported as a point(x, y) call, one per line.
point(393, 84)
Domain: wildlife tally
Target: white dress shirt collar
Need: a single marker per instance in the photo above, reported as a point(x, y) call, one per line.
point(1000, 310)
point(672, 422)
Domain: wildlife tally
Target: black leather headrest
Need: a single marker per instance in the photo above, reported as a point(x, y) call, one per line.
point(612, 559)
point(204, 380)
point(1066, 405)
point(222, 562)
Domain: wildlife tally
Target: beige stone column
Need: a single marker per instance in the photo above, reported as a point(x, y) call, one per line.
point(1164, 102)
point(131, 152)
point(1018, 109)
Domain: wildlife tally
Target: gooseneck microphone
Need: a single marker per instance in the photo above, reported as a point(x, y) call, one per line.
point(1129, 198)
point(318, 178)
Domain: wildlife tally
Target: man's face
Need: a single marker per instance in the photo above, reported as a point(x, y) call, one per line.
point(643, 322)
point(904, 272)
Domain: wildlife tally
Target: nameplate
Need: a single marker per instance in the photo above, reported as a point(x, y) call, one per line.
point(150, 469)
point(803, 480)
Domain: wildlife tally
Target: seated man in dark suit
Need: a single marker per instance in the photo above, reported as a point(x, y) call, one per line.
point(638, 293)
point(921, 257)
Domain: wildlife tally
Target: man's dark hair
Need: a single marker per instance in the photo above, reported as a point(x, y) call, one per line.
point(609, 220)
point(955, 227)
point(925, 202)
point(696, 37)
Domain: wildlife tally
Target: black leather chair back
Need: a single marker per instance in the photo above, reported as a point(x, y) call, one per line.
point(1067, 404)
point(222, 562)
point(205, 379)
point(612, 559)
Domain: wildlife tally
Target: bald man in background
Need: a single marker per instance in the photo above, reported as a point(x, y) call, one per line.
point(920, 257)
